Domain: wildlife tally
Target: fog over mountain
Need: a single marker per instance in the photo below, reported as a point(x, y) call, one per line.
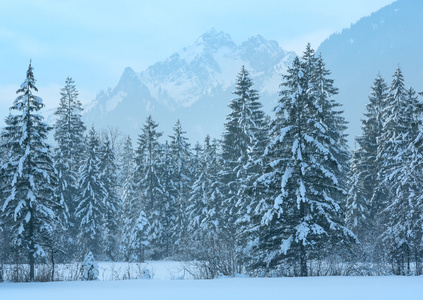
point(377, 43)
point(193, 85)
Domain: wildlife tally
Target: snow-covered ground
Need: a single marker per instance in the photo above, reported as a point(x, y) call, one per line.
point(316, 288)
point(166, 284)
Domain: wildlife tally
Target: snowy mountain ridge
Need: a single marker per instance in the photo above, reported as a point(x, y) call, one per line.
point(193, 85)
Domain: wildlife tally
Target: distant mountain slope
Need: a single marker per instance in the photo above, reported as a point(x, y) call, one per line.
point(377, 43)
point(194, 85)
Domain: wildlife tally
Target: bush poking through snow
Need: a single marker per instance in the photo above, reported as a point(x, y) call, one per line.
point(89, 268)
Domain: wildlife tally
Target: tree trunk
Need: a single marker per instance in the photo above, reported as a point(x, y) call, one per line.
point(52, 264)
point(31, 266)
point(303, 254)
point(31, 250)
point(303, 261)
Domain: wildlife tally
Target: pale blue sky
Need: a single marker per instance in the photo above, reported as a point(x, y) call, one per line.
point(93, 41)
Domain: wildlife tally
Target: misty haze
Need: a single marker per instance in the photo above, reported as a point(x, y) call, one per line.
point(211, 150)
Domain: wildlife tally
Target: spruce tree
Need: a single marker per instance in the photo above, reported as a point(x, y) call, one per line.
point(196, 159)
point(205, 208)
point(402, 115)
point(69, 135)
point(209, 241)
point(170, 195)
point(181, 181)
point(89, 269)
point(303, 178)
point(126, 161)
point(112, 201)
point(254, 128)
point(363, 204)
point(30, 207)
point(91, 209)
point(131, 207)
point(131, 204)
point(243, 143)
point(149, 184)
point(138, 238)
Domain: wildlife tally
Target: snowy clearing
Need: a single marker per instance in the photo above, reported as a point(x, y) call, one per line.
point(316, 288)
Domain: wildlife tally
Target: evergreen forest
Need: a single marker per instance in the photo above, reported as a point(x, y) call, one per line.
point(279, 195)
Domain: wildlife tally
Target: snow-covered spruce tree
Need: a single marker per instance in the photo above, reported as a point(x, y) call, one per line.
point(5, 239)
point(138, 238)
point(357, 217)
point(363, 204)
point(213, 224)
point(69, 135)
point(181, 181)
point(131, 204)
point(402, 115)
point(126, 161)
point(91, 209)
point(416, 170)
point(393, 131)
point(131, 207)
point(322, 90)
point(167, 171)
point(243, 142)
point(194, 208)
point(248, 123)
point(205, 203)
point(30, 207)
point(197, 202)
point(208, 239)
point(149, 184)
point(112, 201)
point(304, 218)
point(89, 268)
point(196, 159)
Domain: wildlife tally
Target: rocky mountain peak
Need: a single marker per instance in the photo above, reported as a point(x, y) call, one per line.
point(213, 39)
point(194, 85)
point(261, 53)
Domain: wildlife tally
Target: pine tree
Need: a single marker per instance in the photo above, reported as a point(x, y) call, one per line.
point(363, 205)
point(91, 209)
point(402, 115)
point(329, 111)
point(126, 161)
point(89, 268)
point(303, 182)
point(131, 204)
point(149, 184)
point(181, 181)
point(416, 172)
point(5, 239)
point(113, 205)
point(252, 140)
point(170, 192)
point(69, 134)
point(206, 200)
point(393, 128)
point(243, 143)
point(131, 207)
point(138, 239)
point(30, 207)
point(196, 159)
point(209, 241)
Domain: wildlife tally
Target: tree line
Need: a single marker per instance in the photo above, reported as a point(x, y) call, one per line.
point(281, 196)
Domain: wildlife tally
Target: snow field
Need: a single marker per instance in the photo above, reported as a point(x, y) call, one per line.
point(311, 288)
